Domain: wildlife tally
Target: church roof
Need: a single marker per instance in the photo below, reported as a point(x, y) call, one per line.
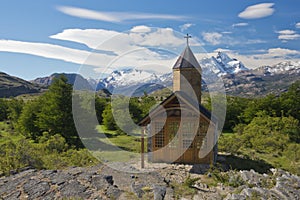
point(186, 60)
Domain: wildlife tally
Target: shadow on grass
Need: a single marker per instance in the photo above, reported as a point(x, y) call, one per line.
point(239, 163)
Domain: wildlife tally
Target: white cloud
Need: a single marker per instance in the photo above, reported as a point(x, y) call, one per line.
point(286, 32)
point(52, 51)
point(212, 37)
point(285, 35)
point(141, 29)
point(186, 26)
point(115, 16)
point(227, 32)
point(289, 37)
point(138, 47)
point(120, 42)
point(297, 25)
point(240, 24)
point(257, 11)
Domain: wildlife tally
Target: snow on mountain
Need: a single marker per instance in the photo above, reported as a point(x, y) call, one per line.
point(286, 67)
point(221, 65)
point(132, 77)
point(128, 80)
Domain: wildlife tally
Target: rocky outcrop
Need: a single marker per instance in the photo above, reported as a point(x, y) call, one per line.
point(103, 182)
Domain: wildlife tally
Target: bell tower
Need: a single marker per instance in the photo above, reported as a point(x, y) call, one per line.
point(187, 73)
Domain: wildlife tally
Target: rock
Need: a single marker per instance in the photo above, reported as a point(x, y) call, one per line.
point(74, 189)
point(102, 181)
point(159, 192)
point(35, 188)
point(113, 192)
point(235, 197)
point(14, 195)
point(137, 189)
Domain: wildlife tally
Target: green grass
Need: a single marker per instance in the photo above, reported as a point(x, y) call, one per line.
point(129, 146)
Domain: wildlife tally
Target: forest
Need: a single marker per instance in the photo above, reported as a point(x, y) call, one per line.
point(40, 131)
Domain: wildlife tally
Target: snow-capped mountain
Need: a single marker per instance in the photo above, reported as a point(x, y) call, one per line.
point(221, 65)
point(124, 81)
point(238, 79)
point(287, 67)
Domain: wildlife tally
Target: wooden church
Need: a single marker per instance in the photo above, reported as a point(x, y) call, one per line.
point(180, 129)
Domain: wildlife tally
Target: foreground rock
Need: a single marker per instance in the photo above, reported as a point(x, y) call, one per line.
point(164, 182)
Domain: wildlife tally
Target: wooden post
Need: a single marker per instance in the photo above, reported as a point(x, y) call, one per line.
point(142, 148)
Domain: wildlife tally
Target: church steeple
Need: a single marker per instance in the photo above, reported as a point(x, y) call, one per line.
point(187, 73)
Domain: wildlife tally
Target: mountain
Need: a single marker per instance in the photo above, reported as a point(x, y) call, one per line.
point(238, 79)
point(129, 80)
point(134, 82)
point(221, 65)
point(81, 83)
point(263, 80)
point(11, 86)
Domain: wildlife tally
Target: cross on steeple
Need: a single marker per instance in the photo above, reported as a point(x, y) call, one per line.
point(187, 39)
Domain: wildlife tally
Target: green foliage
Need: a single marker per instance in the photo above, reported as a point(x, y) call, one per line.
point(100, 104)
point(18, 154)
point(51, 153)
point(3, 109)
point(27, 122)
point(108, 118)
point(230, 143)
point(15, 107)
point(234, 111)
point(56, 113)
point(290, 101)
point(292, 152)
point(128, 111)
point(51, 112)
point(266, 134)
point(230, 178)
point(190, 182)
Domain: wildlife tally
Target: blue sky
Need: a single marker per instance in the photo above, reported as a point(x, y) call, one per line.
point(38, 38)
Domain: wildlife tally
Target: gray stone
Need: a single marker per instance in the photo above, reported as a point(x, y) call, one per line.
point(60, 178)
point(159, 192)
point(35, 188)
point(74, 189)
point(137, 189)
point(13, 196)
point(113, 192)
point(102, 181)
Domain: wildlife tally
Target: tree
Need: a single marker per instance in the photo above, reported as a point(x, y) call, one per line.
point(234, 110)
point(27, 122)
point(100, 104)
point(15, 107)
point(56, 115)
point(268, 134)
point(291, 102)
point(108, 119)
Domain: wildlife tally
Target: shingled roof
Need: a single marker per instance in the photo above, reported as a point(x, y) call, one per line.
point(186, 60)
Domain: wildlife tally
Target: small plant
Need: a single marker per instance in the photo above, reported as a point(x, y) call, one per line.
point(189, 182)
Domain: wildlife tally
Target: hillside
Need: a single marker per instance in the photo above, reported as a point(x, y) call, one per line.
point(11, 86)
